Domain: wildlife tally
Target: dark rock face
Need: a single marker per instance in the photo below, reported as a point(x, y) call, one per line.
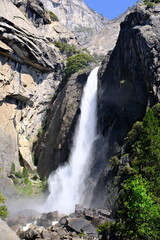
point(53, 148)
point(129, 81)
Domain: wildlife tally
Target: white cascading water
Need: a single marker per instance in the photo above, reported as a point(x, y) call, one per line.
point(67, 185)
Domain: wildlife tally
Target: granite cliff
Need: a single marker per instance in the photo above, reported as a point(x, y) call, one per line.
point(77, 16)
point(30, 67)
point(128, 83)
point(89, 27)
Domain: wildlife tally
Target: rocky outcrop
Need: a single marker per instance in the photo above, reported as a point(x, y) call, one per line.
point(42, 19)
point(60, 126)
point(129, 82)
point(30, 68)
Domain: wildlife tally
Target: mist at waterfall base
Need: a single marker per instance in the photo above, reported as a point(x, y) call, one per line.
point(67, 185)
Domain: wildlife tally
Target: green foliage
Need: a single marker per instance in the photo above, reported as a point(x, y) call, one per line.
point(150, 3)
point(25, 173)
point(138, 216)
point(29, 184)
point(18, 174)
point(115, 162)
point(134, 133)
point(145, 152)
point(105, 227)
point(77, 62)
point(156, 111)
point(13, 168)
point(40, 132)
point(82, 235)
point(53, 17)
point(67, 49)
point(3, 208)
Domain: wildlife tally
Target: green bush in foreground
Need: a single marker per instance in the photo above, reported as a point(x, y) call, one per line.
point(138, 213)
point(138, 217)
point(3, 208)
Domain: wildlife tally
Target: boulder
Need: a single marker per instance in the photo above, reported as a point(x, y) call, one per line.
point(48, 235)
point(88, 214)
point(51, 215)
point(6, 233)
point(63, 221)
point(104, 213)
point(44, 222)
point(81, 225)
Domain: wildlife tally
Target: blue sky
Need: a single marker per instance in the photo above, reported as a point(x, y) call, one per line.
point(110, 8)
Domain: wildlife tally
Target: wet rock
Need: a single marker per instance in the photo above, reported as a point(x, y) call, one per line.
point(51, 215)
point(79, 208)
point(88, 214)
point(81, 225)
point(63, 221)
point(44, 222)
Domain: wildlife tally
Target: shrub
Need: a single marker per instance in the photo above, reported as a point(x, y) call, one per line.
point(115, 162)
point(67, 49)
point(105, 227)
point(13, 168)
point(149, 5)
point(138, 216)
point(135, 132)
point(3, 208)
point(77, 62)
point(156, 110)
point(53, 17)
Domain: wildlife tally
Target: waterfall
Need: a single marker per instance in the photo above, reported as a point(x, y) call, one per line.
point(67, 183)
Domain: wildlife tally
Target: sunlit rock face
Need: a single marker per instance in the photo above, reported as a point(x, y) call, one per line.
point(29, 77)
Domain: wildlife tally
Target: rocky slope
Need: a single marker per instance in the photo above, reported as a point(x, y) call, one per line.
point(129, 82)
point(29, 76)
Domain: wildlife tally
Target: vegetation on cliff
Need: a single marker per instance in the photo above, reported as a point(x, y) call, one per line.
point(26, 183)
point(76, 59)
point(150, 3)
point(3, 208)
point(77, 62)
